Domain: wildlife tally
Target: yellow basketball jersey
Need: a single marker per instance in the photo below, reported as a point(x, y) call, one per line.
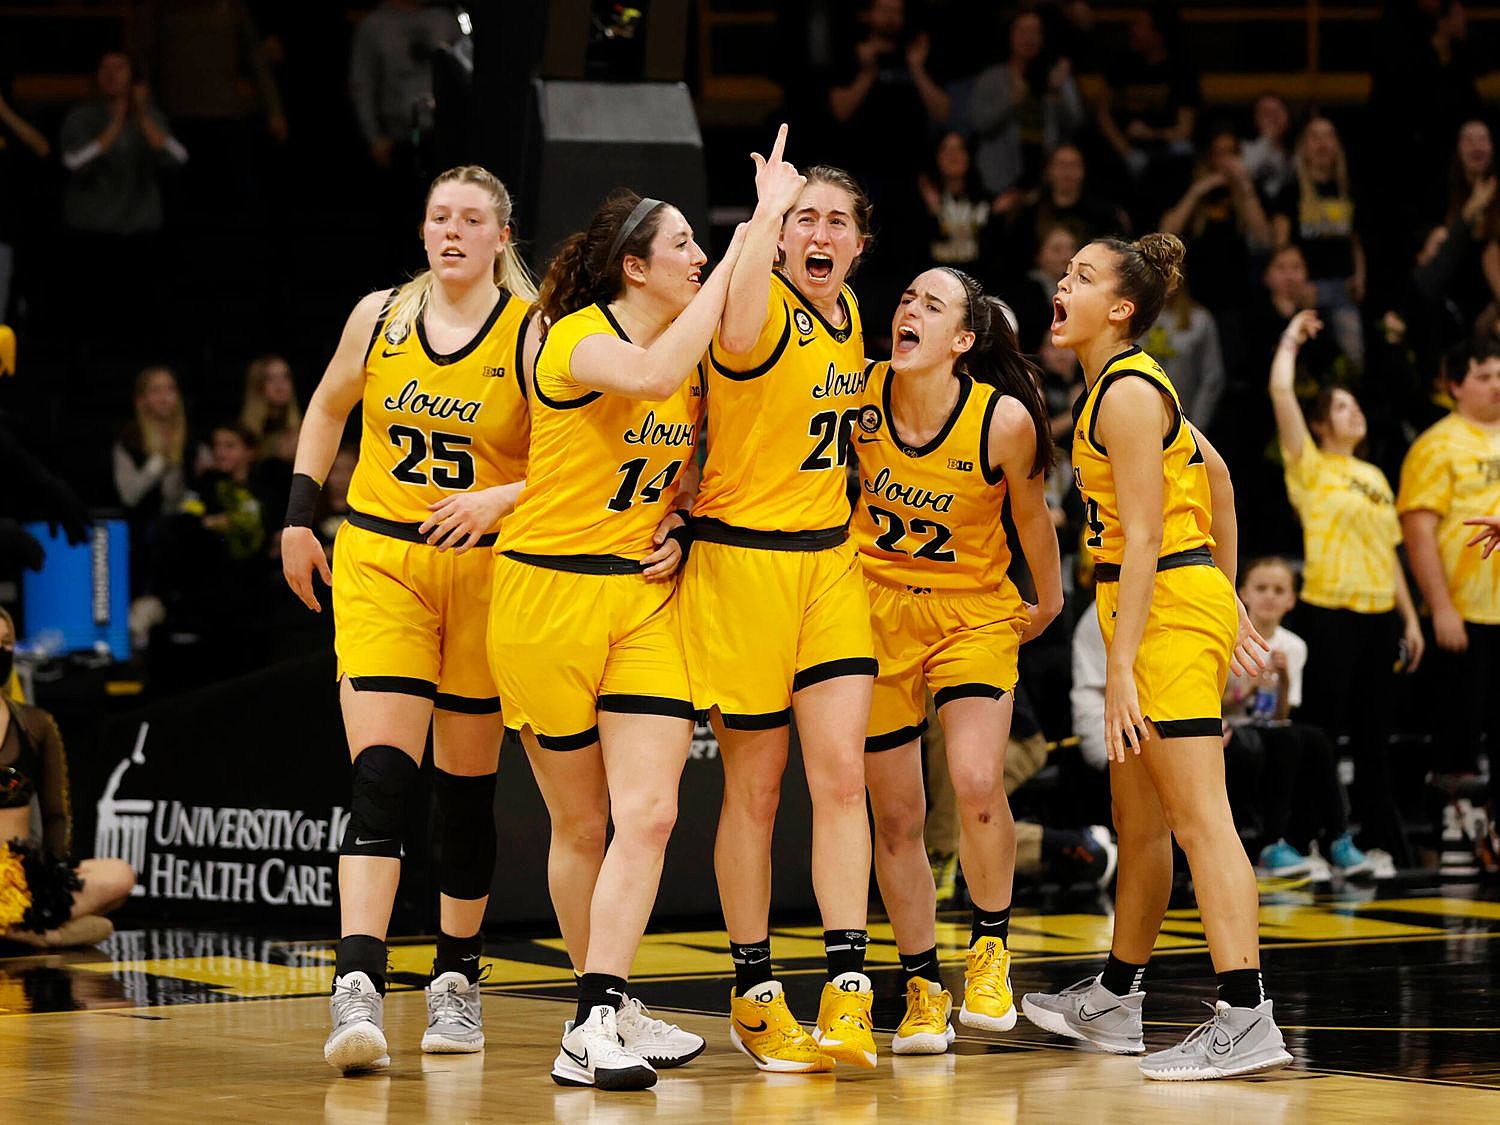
point(1187, 508)
point(438, 424)
point(1453, 469)
point(781, 418)
point(604, 469)
point(928, 517)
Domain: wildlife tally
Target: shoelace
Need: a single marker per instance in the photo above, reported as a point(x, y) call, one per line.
point(635, 1013)
point(356, 1005)
point(452, 1006)
point(929, 1011)
point(988, 976)
point(1203, 1028)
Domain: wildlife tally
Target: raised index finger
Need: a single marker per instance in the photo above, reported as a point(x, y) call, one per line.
point(780, 146)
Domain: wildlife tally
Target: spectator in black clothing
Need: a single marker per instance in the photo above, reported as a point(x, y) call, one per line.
point(1223, 224)
point(958, 207)
point(1459, 269)
point(151, 464)
point(1268, 156)
point(16, 167)
point(271, 412)
point(1031, 297)
point(1149, 106)
point(1317, 213)
point(1062, 198)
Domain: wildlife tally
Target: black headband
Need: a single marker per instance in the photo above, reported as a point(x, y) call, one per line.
point(642, 209)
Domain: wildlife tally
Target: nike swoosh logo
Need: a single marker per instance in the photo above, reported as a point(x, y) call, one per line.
point(1228, 1044)
point(756, 1030)
point(1088, 1017)
point(990, 925)
point(581, 1060)
point(802, 343)
point(866, 440)
point(386, 353)
point(362, 843)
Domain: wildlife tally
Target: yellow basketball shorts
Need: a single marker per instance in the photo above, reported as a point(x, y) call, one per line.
point(956, 646)
point(761, 624)
point(1183, 662)
point(565, 646)
point(409, 618)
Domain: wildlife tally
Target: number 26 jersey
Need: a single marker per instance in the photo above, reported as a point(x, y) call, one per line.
point(436, 424)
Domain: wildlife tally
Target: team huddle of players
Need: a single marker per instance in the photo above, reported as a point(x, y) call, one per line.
point(640, 470)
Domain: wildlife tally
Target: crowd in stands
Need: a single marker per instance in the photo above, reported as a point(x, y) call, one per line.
point(998, 139)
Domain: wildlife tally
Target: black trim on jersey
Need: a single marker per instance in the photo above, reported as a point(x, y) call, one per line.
point(759, 370)
point(1189, 728)
point(967, 691)
point(613, 323)
point(840, 335)
point(965, 385)
point(833, 669)
point(566, 742)
point(882, 742)
point(706, 529)
point(467, 704)
point(385, 311)
point(1193, 556)
point(578, 564)
point(768, 720)
point(647, 705)
point(464, 352)
point(557, 403)
point(397, 685)
point(993, 474)
point(1110, 380)
point(406, 532)
point(521, 352)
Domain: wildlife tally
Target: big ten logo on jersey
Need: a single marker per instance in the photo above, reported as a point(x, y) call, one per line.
point(493, 372)
point(960, 466)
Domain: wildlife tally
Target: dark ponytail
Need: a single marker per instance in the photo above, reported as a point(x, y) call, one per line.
point(995, 359)
point(1148, 271)
point(589, 266)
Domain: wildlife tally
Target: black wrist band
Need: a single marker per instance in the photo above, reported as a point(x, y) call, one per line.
point(683, 535)
point(303, 501)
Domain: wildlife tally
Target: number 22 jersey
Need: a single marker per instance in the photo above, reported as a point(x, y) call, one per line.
point(434, 423)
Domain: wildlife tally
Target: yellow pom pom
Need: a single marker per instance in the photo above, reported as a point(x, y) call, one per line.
point(15, 898)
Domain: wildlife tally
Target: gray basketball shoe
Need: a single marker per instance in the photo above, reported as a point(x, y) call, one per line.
point(1235, 1042)
point(1089, 1011)
point(455, 1019)
point(357, 1041)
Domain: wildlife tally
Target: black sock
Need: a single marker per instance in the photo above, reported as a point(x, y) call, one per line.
point(458, 955)
point(1241, 988)
point(845, 950)
point(924, 965)
point(752, 964)
point(1121, 977)
point(361, 953)
point(989, 923)
point(595, 989)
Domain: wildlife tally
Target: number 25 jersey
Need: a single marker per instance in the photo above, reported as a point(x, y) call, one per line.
point(436, 424)
point(604, 468)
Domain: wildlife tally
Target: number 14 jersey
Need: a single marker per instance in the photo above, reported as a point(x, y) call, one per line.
point(434, 423)
point(928, 517)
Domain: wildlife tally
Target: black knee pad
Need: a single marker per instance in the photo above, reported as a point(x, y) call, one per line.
point(383, 778)
point(466, 838)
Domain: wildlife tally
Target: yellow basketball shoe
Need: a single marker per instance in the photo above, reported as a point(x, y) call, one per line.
point(926, 1028)
point(988, 1001)
point(844, 1029)
point(762, 1026)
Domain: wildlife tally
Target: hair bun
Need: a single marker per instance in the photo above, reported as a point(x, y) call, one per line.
point(1164, 254)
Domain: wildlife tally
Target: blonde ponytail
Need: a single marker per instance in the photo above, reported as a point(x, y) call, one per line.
point(510, 271)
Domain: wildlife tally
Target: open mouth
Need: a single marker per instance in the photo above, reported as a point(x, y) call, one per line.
point(695, 278)
point(907, 339)
point(1059, 314)
point(819, 267)
point(454, 252)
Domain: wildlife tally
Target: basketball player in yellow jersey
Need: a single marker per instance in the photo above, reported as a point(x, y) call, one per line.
point(1352, 587)
point(950, 426)
point(584, 637)
point(1160, 515)
point(775, 614)
point(436, 366)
